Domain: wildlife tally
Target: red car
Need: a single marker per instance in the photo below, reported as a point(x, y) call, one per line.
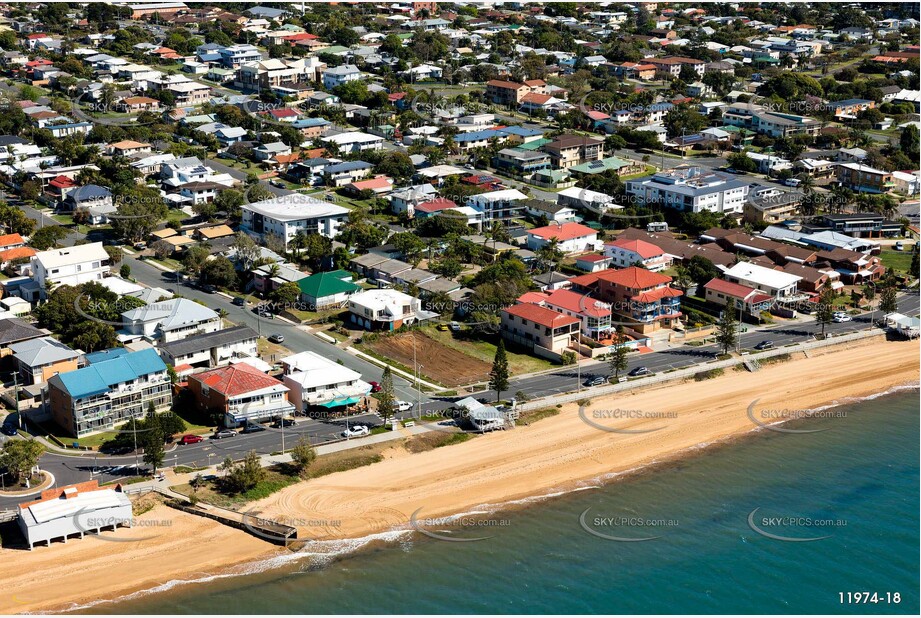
point(375, 387)
point(190, 439)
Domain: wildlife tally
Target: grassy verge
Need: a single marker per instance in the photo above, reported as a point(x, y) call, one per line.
point(898, 261)
point(433, 440)
point(532, 416)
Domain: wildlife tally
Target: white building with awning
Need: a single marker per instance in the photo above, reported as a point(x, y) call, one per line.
point(316, 381)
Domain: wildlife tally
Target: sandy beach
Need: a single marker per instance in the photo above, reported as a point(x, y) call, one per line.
point(555, 454)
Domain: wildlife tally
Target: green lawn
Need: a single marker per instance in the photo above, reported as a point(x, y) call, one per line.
point(486, 351)
point(898, 261)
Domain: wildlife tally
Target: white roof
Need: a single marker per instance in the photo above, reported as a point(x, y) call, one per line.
point(388, 300)
point(295, 207)
point(495, 196)
point(120, 286)
point(310, 369)
point(586, 195)
point(171, 313)
point(351, 137)
point(765, 276)
point(84, 503)
point(55, 258)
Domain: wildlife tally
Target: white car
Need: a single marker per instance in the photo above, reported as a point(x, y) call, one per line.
point(356, 431)
point(403, 406)
point(841, 318)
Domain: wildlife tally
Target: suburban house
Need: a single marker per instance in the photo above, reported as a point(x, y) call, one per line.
point(747, 299)
point(571, 237)
point(115, 386)
point(673, 65)
point(383, 309)
point(864, 179)
point(286, 215)
point(346, 172)
point(540, 330)
point(505, 92)
point(778, 284)
point(39, 359)
point(586, 199)
point(502, 205)
point(70, 265)
point(861, 225)
point(336, 76)
point(643, 298)
point(520, 162)
point(315, 381)
point(626, 252)
point(212, 349)
point(329, 289)
point(570, 150)
point(594, 315)
point(72, 510)
point(353, 141)
point(169, 320)
point(405, 200)
point(242, 393)
point(269, 277)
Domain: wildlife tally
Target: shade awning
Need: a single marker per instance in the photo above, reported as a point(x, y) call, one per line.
point(340, 402)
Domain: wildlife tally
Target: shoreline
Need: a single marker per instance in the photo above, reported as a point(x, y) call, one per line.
point(501, 471)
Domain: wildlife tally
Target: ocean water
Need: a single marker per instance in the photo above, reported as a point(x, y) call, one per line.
point(857, 480)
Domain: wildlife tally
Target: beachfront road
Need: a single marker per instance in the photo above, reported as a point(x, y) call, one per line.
point(568, 379)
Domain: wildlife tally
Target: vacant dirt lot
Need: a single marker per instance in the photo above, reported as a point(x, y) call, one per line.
point(447, 366)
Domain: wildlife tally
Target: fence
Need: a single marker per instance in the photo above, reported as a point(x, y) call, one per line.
point(681, 374)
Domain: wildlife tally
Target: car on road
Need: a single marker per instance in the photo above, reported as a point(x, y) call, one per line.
point(596, 381)
point(355, 431)
point(764, 345)
point(8, 430)
point(792, 182)
point(731, 170)
point(403, 406)
point(239, 301)
point(277, 183)
point(223, 433)
point(190, 439)
point(375, 387)
point(284, 422)
point(207, 288)
point(639, 371)
point(276, 338)
point(838, 319)
point(263, 312)
point(253, 428)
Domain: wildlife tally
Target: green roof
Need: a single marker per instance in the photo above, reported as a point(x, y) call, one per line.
point(533, 145)
point(596, 167)
point(321, 285)
point(334, 49)
point(405, 36)
point(554, 175)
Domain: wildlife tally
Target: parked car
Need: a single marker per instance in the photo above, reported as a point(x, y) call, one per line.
point(596, 381)
point(639, 371)
point(284, 422)
point(375, 387)
point(276, 338)
point(277, 183)
point(8, 430)
point(899, 246)
point(442, 327)
point(239, 301)
point(190, 439)
point(455, 327)
point(140, 246)
point(223, 433)
point(403, 406)
point(765, 345)
point(841, 318)
point(207, 288)
point(792, 182)
point(731, 170)
point(253, 428)
point(355, 431)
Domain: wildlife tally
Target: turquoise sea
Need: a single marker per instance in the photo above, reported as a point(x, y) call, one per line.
point(859, 477)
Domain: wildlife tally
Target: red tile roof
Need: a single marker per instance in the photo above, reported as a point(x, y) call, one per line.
point(727, 287)
point(634, 277)
point(498, 83)
point(540, 315)
point(659, 294)
point(578, 303)
point(642, 248)
point(436, 205)
point(11, 239)
point(535, 99)
point(564, 232)
point(16, 253)
point(591, 257)
point(234, 380)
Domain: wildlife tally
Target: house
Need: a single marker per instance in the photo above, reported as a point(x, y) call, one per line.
point(354, 141)
point(285, 215)
point(328, 289)
point(378, 186)
point(571, 238)
point(673, 65)
point(778, 284)
point(40, 358)
point(594, 315)
point(71, 510)
point(169, 320)
point(741, 297)
point(864, 179)
point(242, 393)
point(264, 152)
point(127, 148)
point(13, 330)
point(336, 76)
point(270, 277)
point(115, 386)
point(570, 150)
point(585, 199)
point(212, 349)
point(383, 309)
point(235, 55)
point(644, 300)
point(346, 172)
point(690, 189)
point(70, 265)
point(406, 200)
point(95, 200)
point(540, 330)
point(770, 205)
point(555, 213)
point(315, 381)
point(775, 124)
point(502, 205)
point(626, 252)
point(521, 162)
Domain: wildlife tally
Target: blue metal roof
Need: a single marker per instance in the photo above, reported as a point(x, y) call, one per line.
point(108, 368)
point(521, 131)
point(476, 136)
point(348, 166)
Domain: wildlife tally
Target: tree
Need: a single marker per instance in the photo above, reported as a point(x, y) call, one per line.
point(247, 474)
point(888, 303)
point(910, 142)
point(115, 254)
point(246, 250)
point(124, 271)
point(18, 457)
point(48, 237)
point(302, 455)
point(219, 271)
point(229, 201)
point(499, 375)
point(825, 309)
point(386, 400)
point(196, 256)
point(286, 294)
point(154, 453)
point(913, 267)
point(618, 357)
point(15, 220)
point(726, 329)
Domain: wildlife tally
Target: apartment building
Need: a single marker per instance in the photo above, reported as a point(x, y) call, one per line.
point(115, 386)
point(169, 320)
point(212, 349)
point(242, 393)
point(673, 65)
point(502, 205)
point(285, 215)
point(383, 309)
point(642, 298)
point(626, 252)
point(276, 73)
point(570, 150)
point(690, 189)
point(315, 381)
point(505, 92)
point(542, 331)
point(235, 55)
point(864, 179)
point(70, 265)
point(775, 124)
point(336, 76)
point(594, 315)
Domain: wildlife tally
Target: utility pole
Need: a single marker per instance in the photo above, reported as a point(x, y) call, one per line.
point(16, 397)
